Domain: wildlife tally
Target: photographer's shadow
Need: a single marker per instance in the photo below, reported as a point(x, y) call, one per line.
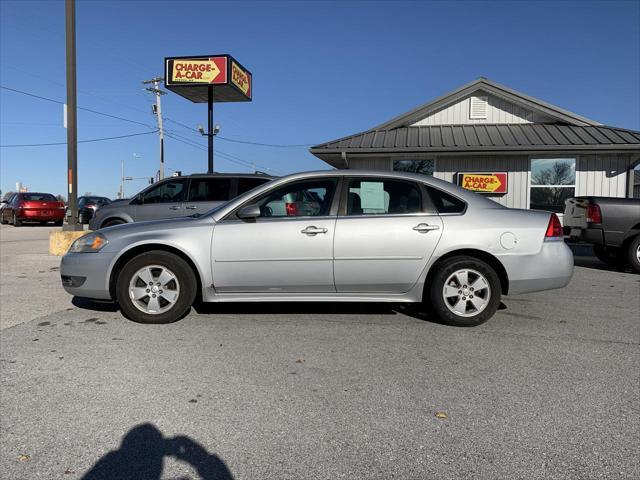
point(141, 455)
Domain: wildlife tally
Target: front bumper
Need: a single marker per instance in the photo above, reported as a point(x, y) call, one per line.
point(87, 274)
point(550, 268)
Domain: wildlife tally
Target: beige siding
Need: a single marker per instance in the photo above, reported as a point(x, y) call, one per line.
point(602, 175)
point(517, 167)
point(498, 111)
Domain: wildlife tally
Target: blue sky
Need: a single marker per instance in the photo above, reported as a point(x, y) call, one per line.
point(321, 70)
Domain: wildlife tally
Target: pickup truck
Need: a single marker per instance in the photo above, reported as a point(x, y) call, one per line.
point(611, 225)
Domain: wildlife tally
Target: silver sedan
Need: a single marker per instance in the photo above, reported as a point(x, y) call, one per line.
point(334, 236)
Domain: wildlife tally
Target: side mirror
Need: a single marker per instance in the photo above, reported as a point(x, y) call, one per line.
point(250, 211)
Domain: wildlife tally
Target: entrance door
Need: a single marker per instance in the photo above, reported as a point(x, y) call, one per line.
point(288, 248)
point(384, 237)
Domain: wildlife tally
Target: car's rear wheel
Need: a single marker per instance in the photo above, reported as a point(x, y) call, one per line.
point(112, 222)
point(464, 291)
point(633, 253)
point(156, 287)
point(16, 221)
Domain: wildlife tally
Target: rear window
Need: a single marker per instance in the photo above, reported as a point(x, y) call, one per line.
point(246, 184)
point(38, 197)
point(210, 189)
point(444, 202)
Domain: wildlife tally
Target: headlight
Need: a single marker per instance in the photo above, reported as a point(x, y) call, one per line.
point(92, 242)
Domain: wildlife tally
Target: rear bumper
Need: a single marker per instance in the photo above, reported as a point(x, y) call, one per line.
point(587, 235)
point(551, 268)
point(38, 216)
point(86, 274)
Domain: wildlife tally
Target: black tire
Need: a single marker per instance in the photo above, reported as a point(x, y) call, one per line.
point(609, 255)
point(16, 222)
point(633, 254)
point(112, 222)
point(434, 291)
point(185, 276)
point(2, 220)
point(58, 223)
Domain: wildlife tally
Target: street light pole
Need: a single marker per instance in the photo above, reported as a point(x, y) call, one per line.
point(72, 119)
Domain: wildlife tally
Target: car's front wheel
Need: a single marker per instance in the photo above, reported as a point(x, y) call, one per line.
point(464, 291)
point(156, 287)
point(633, 253)
point(112, 222)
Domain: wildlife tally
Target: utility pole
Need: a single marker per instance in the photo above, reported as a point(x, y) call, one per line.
point(121, 179)
point(72, 119)
point(157, 110)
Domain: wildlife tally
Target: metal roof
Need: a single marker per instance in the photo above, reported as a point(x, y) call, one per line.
point(496, 89)
point(484, 138)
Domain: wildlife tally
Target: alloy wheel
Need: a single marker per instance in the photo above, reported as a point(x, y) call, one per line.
point(154, 289)
point(466, 292)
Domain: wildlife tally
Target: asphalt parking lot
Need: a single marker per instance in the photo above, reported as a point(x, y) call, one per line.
point(549, 388)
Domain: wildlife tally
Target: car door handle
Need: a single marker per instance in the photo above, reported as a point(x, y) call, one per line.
point(174, 207)
point(313, 230)
point(191, 207)
point(425, 227)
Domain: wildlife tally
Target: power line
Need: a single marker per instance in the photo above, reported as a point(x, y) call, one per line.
point(224, 155)
point(242, 141)
point(40, 97)
point(79, 141)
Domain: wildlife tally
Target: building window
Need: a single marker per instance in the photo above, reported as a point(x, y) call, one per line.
point(425, 167)
point(553, 180)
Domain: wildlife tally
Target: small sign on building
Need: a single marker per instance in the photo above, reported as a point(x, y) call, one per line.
point(483, 182)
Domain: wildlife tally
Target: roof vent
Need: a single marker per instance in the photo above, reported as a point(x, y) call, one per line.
point(478, 108)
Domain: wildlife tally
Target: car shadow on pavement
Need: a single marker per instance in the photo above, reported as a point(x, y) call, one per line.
point(418, 311)
point(414, 310)
point(594, 263)
point(142, 452)
point(95, 305)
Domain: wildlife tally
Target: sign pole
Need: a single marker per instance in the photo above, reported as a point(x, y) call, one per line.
point(210, 128)
point(72, 133)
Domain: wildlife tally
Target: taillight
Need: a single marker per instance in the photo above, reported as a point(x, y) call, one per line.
point(594, 215)
point(292, 209)
point(554, 229)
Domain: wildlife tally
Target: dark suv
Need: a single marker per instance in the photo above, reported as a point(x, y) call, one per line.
point(177, 197)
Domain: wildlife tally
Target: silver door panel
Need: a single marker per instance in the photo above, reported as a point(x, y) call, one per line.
point(384, 253)
point(274, 255)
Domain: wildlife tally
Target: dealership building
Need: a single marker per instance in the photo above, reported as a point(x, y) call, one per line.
point(520, 151)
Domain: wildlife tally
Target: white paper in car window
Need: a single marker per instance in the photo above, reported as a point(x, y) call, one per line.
point(372, 195)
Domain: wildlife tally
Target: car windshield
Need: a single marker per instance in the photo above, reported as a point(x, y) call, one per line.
point(96, 200)
point(38, 197)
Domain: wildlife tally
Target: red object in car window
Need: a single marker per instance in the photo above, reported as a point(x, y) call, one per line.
point(291, 209)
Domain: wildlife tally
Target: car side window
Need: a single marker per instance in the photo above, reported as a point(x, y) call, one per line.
point(310, 198)
point(246, 184)
point(445, 202)
point(210, 189)
point(167, 192)
point(380, 196)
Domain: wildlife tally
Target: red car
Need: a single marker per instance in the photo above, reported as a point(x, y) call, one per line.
point(33, 207)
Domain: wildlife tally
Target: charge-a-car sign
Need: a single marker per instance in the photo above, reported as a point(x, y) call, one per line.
point(209, 71)
point(483, 182)
point(241, 78)
point(215, 78)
